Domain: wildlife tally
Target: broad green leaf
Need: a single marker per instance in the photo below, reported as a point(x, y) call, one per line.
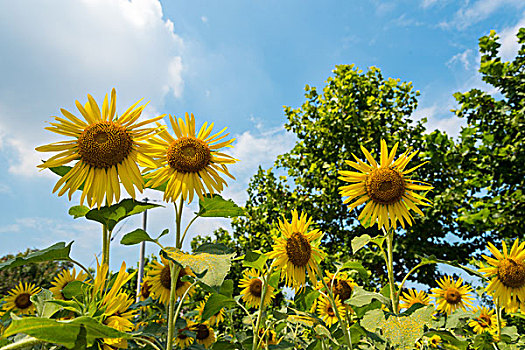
point(216, 206)
point(63, 332)
point(223, 345)
point(310, 298)
point(356, 333)
point(43, 308)
point(283, 344)
point(78, 211)
point(360, 242)
point(135, 237)
point(356, 266)
point(227, 288)
point(324, 332)
point(255, 259)
point(458, 319)
point(215, 303)
point(58, 251)
point(217, 266)
point(361, 297)
point(274, 279)
point(213, 248)
point(111, 215)
point(372, 320)
point(412, 326)
point(74, 289)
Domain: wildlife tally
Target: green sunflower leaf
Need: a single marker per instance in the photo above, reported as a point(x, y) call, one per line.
point(78, 211)
point(449, 340)
point(58, 251)
point(65, 333)
point(255, 260)
point(43, 308)
point(113, 214)
point(135, 237)
point(358, 267)
point(215, 303)
point(361, 297)
point(216, 206)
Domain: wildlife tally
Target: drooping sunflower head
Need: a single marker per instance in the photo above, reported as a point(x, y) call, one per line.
point(63, 279)
point(487, 321)
point(106, 149)
point(413, 297)
point(18, 299)
point(507, 269)
point(159, 277)
point(252, 289)
point(297, 251)
point(327, 311)
point(452, 295)
point(342, 285)
point(385, 188)
point(190, 163)
point(204, 334)
point(214, 319)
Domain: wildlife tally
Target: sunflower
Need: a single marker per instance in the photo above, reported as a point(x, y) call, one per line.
point(160, 281)
point(434, 341)
point(508, 275)
point(106, 148)
point(63, 279)
point(182, 340)
point(327, 312)
point(213, 320)
point(452, 295)
point(118, 316)
point(267, 337)
point(386, 189)
point(413, 297)
point(297, 250)
point(18, 299)
point(204, 334)
point(145, 290)
point(342, 285)
point(189, 164)
point(487, 321)
point(252, 289)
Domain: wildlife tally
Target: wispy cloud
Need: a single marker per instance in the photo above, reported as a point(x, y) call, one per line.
point(463, 58)
point(472, 13)
point(509, 41)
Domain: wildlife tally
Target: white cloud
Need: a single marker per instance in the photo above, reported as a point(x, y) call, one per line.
point(439, 117)
point(204, 19)
point(428, 3)
point(509, 42)
point(462, 57)
point(57, 51)
point(472, 13)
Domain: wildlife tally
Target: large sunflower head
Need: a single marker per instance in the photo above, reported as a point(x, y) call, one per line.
point(18, 299)
point(159, 277)
point(204, 334)
point(63, 279)
point(452, 295)
point(507, 269)
point(413, 297)
point(252, 288)
point(327, 312)
point(487, 321)
point(213, 320)
point(385, 188)
point(342, 285)
point(118, 316)
point(297, 250)
point(190, 162)
point(106, 149)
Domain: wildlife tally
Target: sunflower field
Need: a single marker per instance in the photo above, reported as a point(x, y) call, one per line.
point(290, 286)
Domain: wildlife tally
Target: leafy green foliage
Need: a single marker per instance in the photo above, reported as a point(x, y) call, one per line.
point(113, 214)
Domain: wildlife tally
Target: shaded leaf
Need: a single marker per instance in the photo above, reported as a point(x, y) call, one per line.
point(135, 237)
point(58, 251)
point(78, 211)
point(216, 206)
point(113, 214)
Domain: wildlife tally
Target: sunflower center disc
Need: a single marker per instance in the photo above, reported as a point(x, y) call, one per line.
point(485, 320)
point(165, 277)
point(202, 331)
point(256, 287)
point(342, 289)
point(385, 186)
point(298, 249)
point(146, 290)
point(104, 144)
point(512, 273)
point(452, 296)
point(330, 311)
point(188, 155)
point(22, 301)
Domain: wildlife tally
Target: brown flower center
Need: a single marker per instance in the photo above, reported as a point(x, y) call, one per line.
point(385, 186)
point(256, 287)
point(202, 331)
point(330, 311)
point(104, 144)
point(298, 249)
point(342, 289)
point(484, 320)
point(512, 273)
point(165, 278)
point(22, 301)
point(452, 296)
point(146, 288)
point(188, 155)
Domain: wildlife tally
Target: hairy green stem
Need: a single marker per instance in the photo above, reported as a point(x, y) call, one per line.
point(390, 268)
point(342, 321)
point(146, 341)
point(174, 274)
point(26, 342)
point(83, 268)
point(266, 278)
point(105, 245)
point(178, 219)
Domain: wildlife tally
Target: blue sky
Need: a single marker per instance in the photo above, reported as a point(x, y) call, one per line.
point(235, 63)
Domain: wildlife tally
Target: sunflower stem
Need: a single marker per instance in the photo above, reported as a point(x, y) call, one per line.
point(83, 268)
point(179, 306)
point(178, 219)
point(105, 244)
point(344, 325)
point(266, 278)
point(390, 267)
point(498, 313)
point(174, 274)
point(147, 342)
point(24, 343)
